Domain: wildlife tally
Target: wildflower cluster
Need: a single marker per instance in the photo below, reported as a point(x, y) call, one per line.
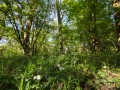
point(37, 77)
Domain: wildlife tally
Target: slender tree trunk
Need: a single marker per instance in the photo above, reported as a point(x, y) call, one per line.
point(2, 22)
point(116, 6)
point(25, 34)
point(27, 37)
point(59, 26)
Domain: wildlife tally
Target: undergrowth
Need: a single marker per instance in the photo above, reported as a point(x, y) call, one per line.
point(98, 71)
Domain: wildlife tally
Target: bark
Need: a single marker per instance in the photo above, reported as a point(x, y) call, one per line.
point(116, 6)
point(27, 36)
point(59, 26)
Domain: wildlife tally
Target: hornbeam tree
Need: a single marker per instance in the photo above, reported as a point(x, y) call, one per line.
point(28, 18)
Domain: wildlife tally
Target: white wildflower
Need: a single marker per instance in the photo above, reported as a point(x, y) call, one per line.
point(58, 65)
point(38, 77)
point(35, 77)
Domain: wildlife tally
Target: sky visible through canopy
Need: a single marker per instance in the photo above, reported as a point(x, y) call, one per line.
point(2, 42)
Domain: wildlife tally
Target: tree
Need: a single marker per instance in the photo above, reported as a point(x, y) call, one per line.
point(59, 16)
point(2, 25)
point(116, 6)
point(28, 18)
point(92, 23)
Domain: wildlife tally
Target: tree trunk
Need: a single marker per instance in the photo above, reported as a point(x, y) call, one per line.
point(27, 46)
point(25, 34)
point(116, 6)
point(59, 26)
point(2, 23)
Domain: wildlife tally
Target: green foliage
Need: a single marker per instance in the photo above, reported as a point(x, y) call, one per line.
point(88, 61)
point(59, 72)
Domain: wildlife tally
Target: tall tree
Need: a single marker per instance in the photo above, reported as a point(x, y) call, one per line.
point(116, 6)
point(28, 18)
point(91, 22)
point(59, 16)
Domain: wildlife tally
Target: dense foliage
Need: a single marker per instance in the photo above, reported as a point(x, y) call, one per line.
point(59, 45)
